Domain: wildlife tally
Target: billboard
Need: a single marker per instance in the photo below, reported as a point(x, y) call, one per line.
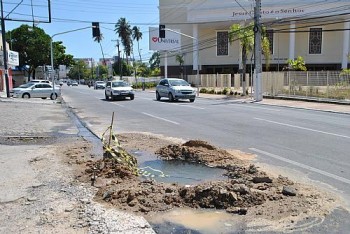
point(172, 40)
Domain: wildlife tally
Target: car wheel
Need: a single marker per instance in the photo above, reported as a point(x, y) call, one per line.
point(106, 96)
point(44, 98)
point(192, 100)
point(53, 96)
point(171, 97)
point(26, 95)
point(158, 96)
point(132, 97)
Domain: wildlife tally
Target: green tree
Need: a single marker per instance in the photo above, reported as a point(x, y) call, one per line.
point(180, 59)
point(245, 35)
point(154, 61)
point(126, 69)
point(60, 57)
point(27, 41)
point(79, 71)
point(33, 47)
point(123, 29)
point(297, 64)
point(137, 35)
point(102, 71)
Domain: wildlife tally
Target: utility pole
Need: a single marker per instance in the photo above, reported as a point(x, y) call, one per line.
point(3, 34)
point(257, 52)
point(119, 61)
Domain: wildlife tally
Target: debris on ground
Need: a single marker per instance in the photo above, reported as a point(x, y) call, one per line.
point(247, 189)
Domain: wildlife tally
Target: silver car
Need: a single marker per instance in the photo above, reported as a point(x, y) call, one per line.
point(118, 89)
point(175, 89)
point(37, 90)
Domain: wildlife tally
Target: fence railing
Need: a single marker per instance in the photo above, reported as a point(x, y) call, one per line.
point(320, 84)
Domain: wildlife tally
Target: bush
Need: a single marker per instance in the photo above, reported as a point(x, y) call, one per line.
point(225, 91)
point(211, 91)
point(203, 90)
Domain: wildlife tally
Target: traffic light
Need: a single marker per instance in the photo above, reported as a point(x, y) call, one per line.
point(162, 31)
point(96, 29)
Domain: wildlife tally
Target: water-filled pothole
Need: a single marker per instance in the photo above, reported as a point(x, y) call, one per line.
point(176, 171)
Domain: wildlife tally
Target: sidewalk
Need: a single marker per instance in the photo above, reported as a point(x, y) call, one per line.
point(331, 106)
point(39, 145)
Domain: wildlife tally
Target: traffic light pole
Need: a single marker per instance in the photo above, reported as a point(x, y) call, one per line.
point(4, 48)
point(197, 52)
point(51, 49)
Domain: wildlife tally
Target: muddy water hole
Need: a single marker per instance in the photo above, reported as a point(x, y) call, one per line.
point(195, 187)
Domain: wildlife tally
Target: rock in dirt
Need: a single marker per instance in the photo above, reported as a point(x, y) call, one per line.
point(289, 191)
point(263, 179)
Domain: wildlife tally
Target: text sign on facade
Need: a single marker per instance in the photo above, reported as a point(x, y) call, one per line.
point(211, 11)
point(13, 58)
point(172, 40)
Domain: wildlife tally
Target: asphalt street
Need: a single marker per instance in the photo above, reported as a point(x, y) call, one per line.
point(302, 144)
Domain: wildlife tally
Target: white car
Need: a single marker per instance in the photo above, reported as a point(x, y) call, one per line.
point(175, 89)
point(37, 90)
point(118, 89)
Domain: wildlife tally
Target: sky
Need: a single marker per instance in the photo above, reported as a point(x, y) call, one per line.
point(68, 15)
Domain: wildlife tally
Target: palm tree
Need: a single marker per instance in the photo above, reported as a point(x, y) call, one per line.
point(123, 29)
point(245, 35)
point(180, 59)
point(137, 35)
point(98, 39)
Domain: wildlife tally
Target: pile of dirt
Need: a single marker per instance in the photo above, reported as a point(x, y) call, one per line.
point(245, 189)
point(198, 151)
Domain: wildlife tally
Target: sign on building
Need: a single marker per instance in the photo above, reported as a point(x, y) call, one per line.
point(172, 40)
point(13, 58)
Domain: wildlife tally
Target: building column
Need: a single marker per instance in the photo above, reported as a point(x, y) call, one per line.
point(292, 41)
point(346, 39)
point(195, 46)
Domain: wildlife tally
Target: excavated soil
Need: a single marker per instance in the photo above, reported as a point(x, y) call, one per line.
point(246, 190)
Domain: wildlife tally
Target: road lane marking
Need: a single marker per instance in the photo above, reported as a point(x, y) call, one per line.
point(184, 105)
point(262, 108)
point(117, 104)
point(313, 169)
point(156, 117)
point(307, 129)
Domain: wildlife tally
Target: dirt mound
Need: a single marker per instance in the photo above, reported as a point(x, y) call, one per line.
point(245, 186)
point(246, 190)
point(199, 152)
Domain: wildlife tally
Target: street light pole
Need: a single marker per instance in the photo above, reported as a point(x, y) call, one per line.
point(197, 41)
point(51, 48)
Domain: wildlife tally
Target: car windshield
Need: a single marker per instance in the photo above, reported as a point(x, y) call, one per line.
point(120, 84)
point(23, 86)
point(178, 83)
point(99, 82)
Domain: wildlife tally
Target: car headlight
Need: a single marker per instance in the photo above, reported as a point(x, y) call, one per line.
point(177, 91)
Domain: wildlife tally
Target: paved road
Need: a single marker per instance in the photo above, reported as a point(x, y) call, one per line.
point(304, 144)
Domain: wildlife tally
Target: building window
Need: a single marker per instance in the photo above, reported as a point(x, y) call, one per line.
point(222, 43)
point(269, 35)
point(315, 41)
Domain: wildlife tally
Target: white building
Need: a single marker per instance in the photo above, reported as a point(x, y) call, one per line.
point(316, 30)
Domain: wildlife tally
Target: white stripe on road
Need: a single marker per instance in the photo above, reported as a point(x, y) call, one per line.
point(308, 129)
point(117, 104)
point(330, 175)
point(184, 105)
point(153, 116)
point(262, 108)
